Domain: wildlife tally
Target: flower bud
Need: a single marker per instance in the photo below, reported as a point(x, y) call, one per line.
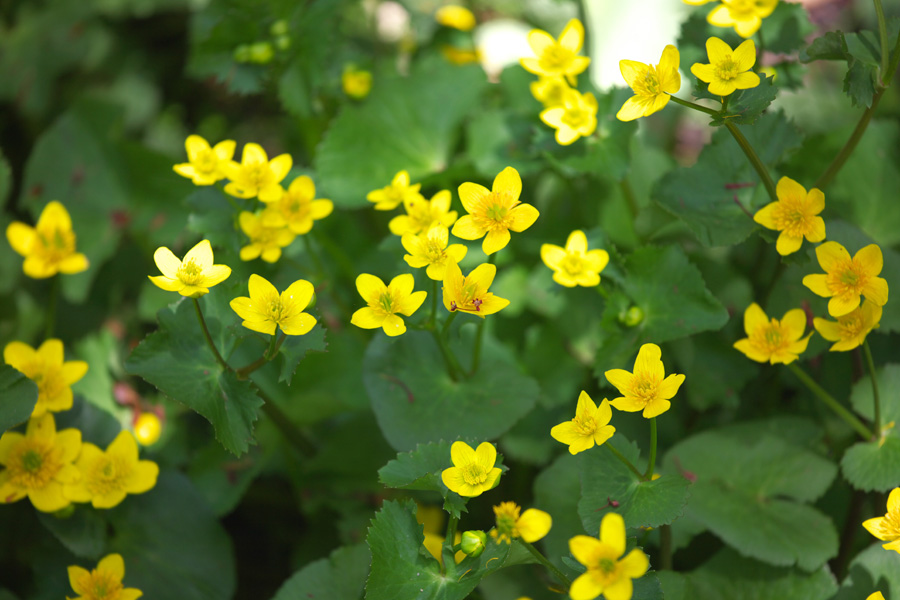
point(473, 543)
point(279, 27)
point(261, 52)
point(147, 428)
point(633, 316)
point(283, 42)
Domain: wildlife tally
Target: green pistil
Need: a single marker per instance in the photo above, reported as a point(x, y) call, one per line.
point(32, 461)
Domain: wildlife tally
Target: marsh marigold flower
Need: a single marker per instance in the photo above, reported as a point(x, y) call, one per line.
point(850, 330)
point(652, 85)
point(147, 428)
point(422, 214)
point(49, 246)
point(104, 582)
point(298, 207)
point(473, 471)
point(795, 215)
point(39, 464)
point(457, 17)
point(549, 90)
point(494, 213)
point(557, 57)
point(205, 165)
point(530, 527)
point(744, 15)
point(846, 279)
point(590, 425)
point(575, 264)
point(727, 70)
point(470, 293)
point(107, 477)
point(430, 250)
point(46, 368)
point(771, 340)
point(647, 389)
point(357, 83)
point(575, 118)
point(257, 176)
point(191, 277)
point(399, 191)
point(876, 596)
point(887, 528)
point(266, 310)
point(265, 242)
point(386, 303)
point(608, 572)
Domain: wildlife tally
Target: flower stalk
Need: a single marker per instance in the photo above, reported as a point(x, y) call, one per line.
point(754, 159)
point(543, 560)
point(50, 321)
point(209, 340)
point(625, 461)
point(651, 464)
point(883, 39)
point(831, 403)
point(877, 410)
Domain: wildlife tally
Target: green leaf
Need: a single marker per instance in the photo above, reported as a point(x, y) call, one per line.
point(557, 490)
point(222, 479)
point(872, 465)
point(421, 469)
point(496, 139)
point(19, 395)
point(787, 28)
point(830, 46)
point(397, 128)
point(605, 479)
point(83, 532)
point(295, 348)
point(415, 400)
point(745, 106)
point(5, 179)
point(178, 361)
point(341, 576)
point(863, 401)
point(647, 587)
point(873, 569)
point(99, 350)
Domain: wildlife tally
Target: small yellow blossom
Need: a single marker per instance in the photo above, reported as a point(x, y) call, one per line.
point(470, 293)
point(147, 428)
point(457, 17)
point(266, 309)
point(46, 368)
point(652, 85)
point(744, 15)
point(887, 528)
point(531, 526)
point(876, 596)
point(205, 165)
point(608, 573)
point(421, 214)
point(460, 56)
point(191, 277)
point(549, 90)
point(846, 279)
point(430, 249)
point(49, 246)
point(473, 471)
point(107, 477)
point(493, 213)
point(795, 215)
point(104, 582)
point(557, 57)
point(399, 191)
point(590, 425)
point(728, 70)
point(648, 388)
point(357, 83)
point(577, 117)
point(265, 242)
point(39, 464)
point(257, 176)
point(386, 302)
point(298, 207)
point(575, 264)
point(850, 330)
point(773, 341)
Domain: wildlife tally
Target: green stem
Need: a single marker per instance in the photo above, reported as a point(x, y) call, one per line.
point(286, 427)
point(648, 476)
point(871, 364)
point(274, 345)
point(453, 367)
point(665, 548)
point(208, 337)
point(760, 49)
point(830, 402)
point(625, 461)
point(449, 541)
point(543, 560)
point(272, 352)
point(882, 35)
point(50, 322)
point(725, 103)
point(848, 148)
point(694, 106)
point(602, 290)
point(628, 192)
point(479, 335)
point(445, 331)
point(754, 159)
point(434, 290)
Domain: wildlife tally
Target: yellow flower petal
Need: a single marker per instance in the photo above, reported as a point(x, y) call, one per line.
point(507, 180)
point(366, 318)
point(533, 525)
point(370, 288)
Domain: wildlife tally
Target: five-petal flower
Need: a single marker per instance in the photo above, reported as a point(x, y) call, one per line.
point(256, 175)
point(49, 246)
point(191, 277)
point(386, 302)
point(846, 279)
point(422, 214)
point(590, 425)
point(744, 15)
point(46, 368)
point(470, 293)
point(728, 70)
point(104, 582)
point(557, 57)
point(298, 207)
point(795, 215)
point(107, 477)
point(430, 249)
point(205, 165)
point(266, 309)
point(850, 330)
point(265, 241)
point(773, 341)
point(647, 389)
point(399, 191)
point(473, 471)
point(608, 572)
point(575, 264)
point(652, 85)
point(575, 117)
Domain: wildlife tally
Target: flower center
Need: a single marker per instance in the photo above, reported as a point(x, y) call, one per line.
point(607, 565)
point(770, 338)
point(648, 85)
point(850, 326)
point(572, 264)
point(190, 272)
point(556, 57)
point(741, 9)
point(275, 310)
point(106, 475)
point(103, 587)
point(422, 216)
point(575, 117)
point(727, 69)
point(55, 244)
point(34, 465)
point(434, 251)
point(645, 387)
point(206, 161)
point(847, 278)
point(386, 303)
point(791, 217)
point(473, 474)
point(584, 425)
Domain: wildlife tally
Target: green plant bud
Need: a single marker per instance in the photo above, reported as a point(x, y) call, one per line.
point(633, 316)
point(261, 52)
point(283, 42)
point(473, 543)
point(278, 28)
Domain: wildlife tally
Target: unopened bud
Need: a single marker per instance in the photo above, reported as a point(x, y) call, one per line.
point(473, 543)
point(283, 42)
point(261, 52)
point(147, 428)
point(633, 316)
point(279, 27)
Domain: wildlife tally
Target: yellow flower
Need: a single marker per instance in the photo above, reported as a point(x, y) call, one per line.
point(421, 214)
point(357, 83)
point(876, 596)
point(191, 277)
point(575, 264)
point(431, 249)
point(49, 246)
point(266, 242)
point(256, 175)
point(887, 528)
point(385, 302)
point(850, 330)
point(432, 520)
point(104, 582)
point(590, 425)
point(473, 471)
point(608, 573)
point(493, 213)
point(38, 464)
point(846, 279)
point(147, 429)
point(107, 477)
point(266, 309)
point(470, 294)
point(648, 388)
point(773, 341)
point(549, 90)
point(728, 70)
point(697, 2)
point(298, 207)
point(577, 117)
point(557, 57)
point(46, 368)
point(652, 85)
point(457, 17)
point(205, 164)
point(795, 215)
point(391, 196)
point(460, 56)
point(531, 526)
point(744, 15)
